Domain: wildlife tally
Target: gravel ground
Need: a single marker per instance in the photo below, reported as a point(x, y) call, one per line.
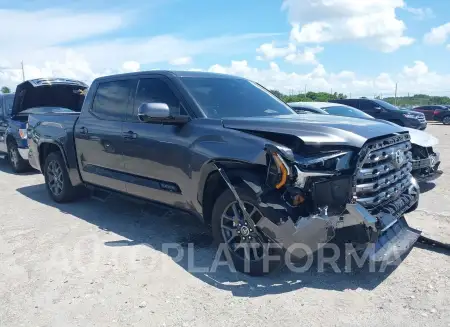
point(94, 263)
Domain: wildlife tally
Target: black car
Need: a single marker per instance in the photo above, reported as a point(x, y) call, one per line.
point(223, 148)
point(437, 113)
point(380, 109)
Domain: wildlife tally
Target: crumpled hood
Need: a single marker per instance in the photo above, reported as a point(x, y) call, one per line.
point(317, 129)
point(422, 138)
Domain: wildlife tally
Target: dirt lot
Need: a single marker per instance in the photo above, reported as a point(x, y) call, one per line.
point(95, 263)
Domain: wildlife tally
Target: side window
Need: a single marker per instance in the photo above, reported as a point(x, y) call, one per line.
point(367, 105)
point(9, 100)
point(156, 90)
point(111, 100)
point(352, 103)
point(1, 108)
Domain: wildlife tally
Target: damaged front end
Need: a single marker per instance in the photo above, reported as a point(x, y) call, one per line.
point(425, 163)
point(308, 200)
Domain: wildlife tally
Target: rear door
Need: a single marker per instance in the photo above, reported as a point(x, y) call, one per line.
point(427, 111)
point(98, 134)
point(370, 107)
point(157, 156)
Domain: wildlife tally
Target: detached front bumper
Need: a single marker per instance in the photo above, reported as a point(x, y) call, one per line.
point(426, 170)
point(388, 236)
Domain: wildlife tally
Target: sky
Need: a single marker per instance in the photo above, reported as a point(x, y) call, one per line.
point(355, 47)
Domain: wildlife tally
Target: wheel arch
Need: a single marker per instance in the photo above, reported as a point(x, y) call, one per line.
point(211, 183)
point(48, 147)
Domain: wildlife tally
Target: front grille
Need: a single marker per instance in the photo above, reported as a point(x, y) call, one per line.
point(421, 119)
point(383, 171)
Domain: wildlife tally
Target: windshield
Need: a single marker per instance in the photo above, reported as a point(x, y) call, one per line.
point(346, 111)
point(233, 97)
point(9, 99)
point(385, 105)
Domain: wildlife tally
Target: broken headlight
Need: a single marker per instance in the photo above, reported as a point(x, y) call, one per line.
point(333, 161)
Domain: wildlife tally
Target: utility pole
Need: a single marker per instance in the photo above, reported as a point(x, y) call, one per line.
point(305, 89)
point(395, 93)
point(23, 72)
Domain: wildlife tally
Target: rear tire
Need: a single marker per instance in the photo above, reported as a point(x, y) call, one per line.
point(446, 120)
point(15, 160)
point(57, 179)
point(240, 261)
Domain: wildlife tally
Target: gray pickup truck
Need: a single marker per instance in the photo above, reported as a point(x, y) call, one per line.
point(227, 151)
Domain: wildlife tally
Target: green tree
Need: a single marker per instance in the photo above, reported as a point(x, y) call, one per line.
point(6, 89)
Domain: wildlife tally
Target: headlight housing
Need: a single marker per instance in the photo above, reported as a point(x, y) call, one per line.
point(23, 133)
point(410, 116)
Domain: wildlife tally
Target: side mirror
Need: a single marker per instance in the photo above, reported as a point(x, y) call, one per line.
point(155, 112)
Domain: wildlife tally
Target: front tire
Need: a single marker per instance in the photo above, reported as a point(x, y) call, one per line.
point(249, 250)
point(446, 120)
point(57, 179)
point(17, 163)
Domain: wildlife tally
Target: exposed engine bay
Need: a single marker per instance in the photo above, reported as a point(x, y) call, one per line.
point(361, 195)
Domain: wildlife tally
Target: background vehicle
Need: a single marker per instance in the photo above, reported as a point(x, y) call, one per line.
point(439, 113)
point(38, 95)
point(425, 162)
point(231, 153)
point(383, 110)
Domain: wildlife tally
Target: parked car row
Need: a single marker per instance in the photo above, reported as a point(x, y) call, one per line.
point(436, 113)
point(425, 161)
point(223, 148)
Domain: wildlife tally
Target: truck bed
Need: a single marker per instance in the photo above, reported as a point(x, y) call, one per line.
point(55, 127)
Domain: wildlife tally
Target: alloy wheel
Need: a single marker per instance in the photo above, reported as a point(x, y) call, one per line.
point(13, 156)
point(55, 177)
point(240, 235)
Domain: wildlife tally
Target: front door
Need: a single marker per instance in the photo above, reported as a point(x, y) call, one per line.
point(98, 135)
point(157, 156)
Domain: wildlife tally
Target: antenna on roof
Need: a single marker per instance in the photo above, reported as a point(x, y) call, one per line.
point(23, 71)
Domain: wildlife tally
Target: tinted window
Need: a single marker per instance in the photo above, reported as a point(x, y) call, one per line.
point(385, 105)
point(233, 97)
point(367, 105)
point(346, 111)
point(156, 90)
point(111, 99)
point(348, 102)
point(9, 99)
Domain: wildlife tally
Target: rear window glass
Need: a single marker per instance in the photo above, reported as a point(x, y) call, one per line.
point(111, 100)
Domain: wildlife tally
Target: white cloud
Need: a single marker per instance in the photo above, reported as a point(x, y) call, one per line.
point(438, 35)
point(420, 13)
point(131, 66)
point(61, 43)
point(269, 51)
point(308, 56)
point(181, 61)
point(372, 21)
point(290, 53)
point(411, 79)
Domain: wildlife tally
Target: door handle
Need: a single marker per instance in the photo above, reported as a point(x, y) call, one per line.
point(130, 135)
point(83, 130)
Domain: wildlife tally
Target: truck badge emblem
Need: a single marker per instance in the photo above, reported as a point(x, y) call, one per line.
point(399, 158)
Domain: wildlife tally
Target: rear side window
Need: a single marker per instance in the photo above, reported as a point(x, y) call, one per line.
point(367, 105)
point(9, 99)
point(156, 90)
point(350, 102)
point(111, 100)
